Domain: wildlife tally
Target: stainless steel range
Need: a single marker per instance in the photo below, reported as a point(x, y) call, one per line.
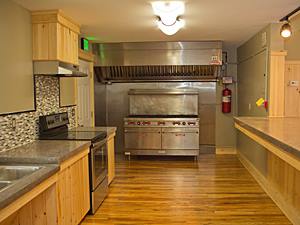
point(162, 136)
point(54, 127)
point(162, 122)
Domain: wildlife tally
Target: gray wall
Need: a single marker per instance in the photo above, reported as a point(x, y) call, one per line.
point(16, 71)
point(253, 78)
point(225, 131)
point(111, 104)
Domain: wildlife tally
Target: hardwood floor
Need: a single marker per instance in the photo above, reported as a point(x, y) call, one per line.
point(214, 190)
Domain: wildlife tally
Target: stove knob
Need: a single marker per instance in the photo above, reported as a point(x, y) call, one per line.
point(138, 123)
point(183, 123)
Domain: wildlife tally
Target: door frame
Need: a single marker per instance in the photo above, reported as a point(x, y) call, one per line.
point(90, 58)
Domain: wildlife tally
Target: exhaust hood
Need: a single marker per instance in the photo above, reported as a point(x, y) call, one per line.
point(56, 68)
point(158, 61)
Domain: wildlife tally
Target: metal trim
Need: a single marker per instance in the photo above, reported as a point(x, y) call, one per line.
point(174, 91)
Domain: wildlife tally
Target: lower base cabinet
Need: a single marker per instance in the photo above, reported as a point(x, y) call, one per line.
point(39, 211)
point(111, 157)
point(73, 195)
point(63, 199)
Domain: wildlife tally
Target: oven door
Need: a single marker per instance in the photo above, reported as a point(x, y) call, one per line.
point(98, 163)
point(142, 138)
point(180, 138)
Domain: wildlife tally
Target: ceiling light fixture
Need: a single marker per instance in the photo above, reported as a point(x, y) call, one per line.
point(168, 13)
point(286, 29)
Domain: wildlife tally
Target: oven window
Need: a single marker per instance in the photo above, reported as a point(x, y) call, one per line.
point(100, 161)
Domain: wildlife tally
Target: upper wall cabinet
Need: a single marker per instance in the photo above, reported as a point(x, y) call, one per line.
point(55, 37)
point(16, 80)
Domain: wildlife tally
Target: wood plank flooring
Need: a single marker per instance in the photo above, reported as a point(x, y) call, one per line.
point(214, 190)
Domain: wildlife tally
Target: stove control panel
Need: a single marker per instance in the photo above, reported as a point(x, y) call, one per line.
point(162, 123)
point(53, 121)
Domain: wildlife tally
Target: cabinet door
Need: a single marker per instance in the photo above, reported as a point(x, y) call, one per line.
point(64, 39)
point(64, 198)
point(292, 92)
point(74, 37)
point(73, 193)
point(80, 199)
point(40, 43)
point(111, 159)
point(39, 211)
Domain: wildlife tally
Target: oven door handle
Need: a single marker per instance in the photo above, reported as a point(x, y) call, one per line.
point(98, 144)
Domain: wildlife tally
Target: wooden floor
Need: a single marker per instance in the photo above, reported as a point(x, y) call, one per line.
point(214, 190)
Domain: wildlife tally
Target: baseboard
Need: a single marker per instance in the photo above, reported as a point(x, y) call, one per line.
point(225, 151)
point(289, 211)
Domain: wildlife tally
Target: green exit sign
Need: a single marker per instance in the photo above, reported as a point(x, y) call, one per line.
point(85, 44)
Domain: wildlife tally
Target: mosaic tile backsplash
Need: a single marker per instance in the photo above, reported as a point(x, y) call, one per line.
point(47, 102)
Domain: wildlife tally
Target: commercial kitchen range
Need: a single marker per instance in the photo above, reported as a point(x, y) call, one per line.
point(162, 122)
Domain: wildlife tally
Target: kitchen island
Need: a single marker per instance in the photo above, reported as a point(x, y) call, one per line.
point(280, 137)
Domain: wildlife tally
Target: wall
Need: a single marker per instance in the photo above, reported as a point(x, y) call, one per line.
point(111, 104)
point(253, 79)
point(41, 91)
point(292, 44)
point(16, 81)
point(225, 131)
point(47, 102)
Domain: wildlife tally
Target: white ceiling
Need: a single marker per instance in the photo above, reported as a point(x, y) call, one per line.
point(233, 21)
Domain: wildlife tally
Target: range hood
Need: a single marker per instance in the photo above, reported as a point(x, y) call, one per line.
point(159, 61)
point(57, 68)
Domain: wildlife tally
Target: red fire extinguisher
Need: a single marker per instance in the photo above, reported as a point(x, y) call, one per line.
point(226, 100)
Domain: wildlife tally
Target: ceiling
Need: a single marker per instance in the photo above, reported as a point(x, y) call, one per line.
point(232, 21)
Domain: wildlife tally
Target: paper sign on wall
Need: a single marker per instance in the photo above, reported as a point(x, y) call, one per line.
point(260, 102)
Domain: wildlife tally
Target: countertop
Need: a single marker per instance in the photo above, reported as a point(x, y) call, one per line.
point(282, 132)
point(108, 130)
point(25, 184)
point(43, 152)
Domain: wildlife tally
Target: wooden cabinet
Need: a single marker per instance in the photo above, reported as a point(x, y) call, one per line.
point(63, 199)
point(55, 37)
point(39, 211)
point(36, 207)
point(73, 193)
point(111, 157)
point(292, 89)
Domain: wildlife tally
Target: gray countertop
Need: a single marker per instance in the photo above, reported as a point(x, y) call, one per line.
point(43, 151)
point(109, 130)
point(283, 132)
point(25, 184)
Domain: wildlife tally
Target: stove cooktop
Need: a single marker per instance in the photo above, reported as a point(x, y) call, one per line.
point(76, 135)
